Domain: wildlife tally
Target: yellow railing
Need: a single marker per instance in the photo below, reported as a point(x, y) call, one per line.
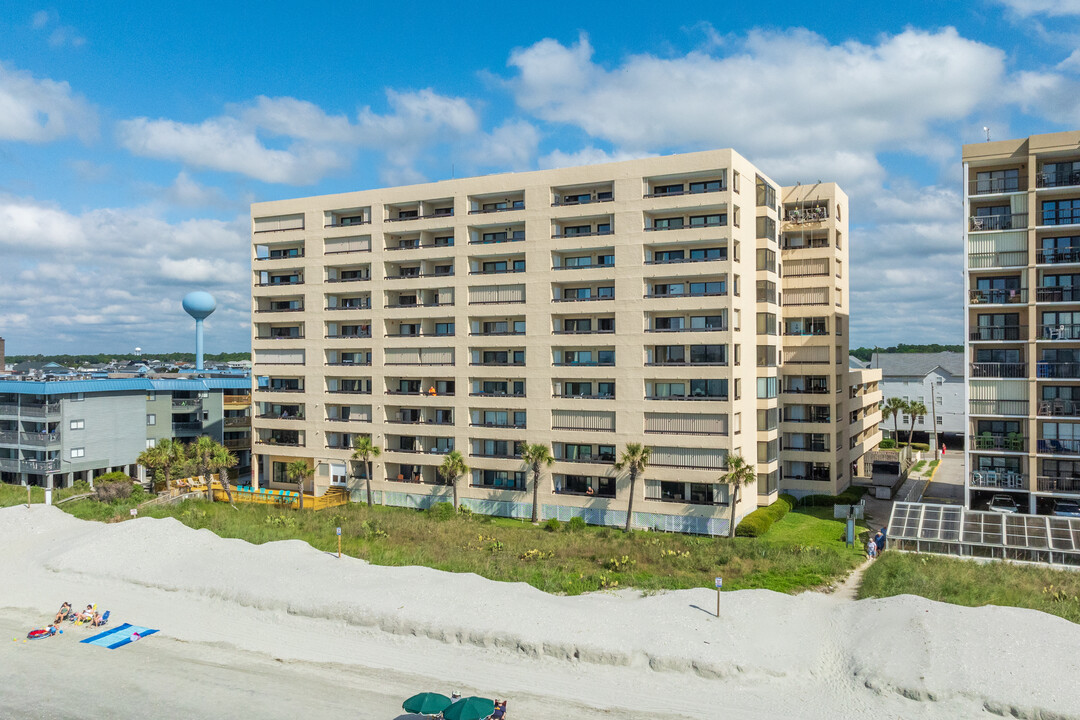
point(237, 399)
point(333, 498)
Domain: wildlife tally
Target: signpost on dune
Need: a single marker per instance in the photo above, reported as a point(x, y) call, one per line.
point(719, 586)
point(339, 543)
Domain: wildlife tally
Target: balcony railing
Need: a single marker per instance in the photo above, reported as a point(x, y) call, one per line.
point(361, 278)
point(1010, 442)
point(992, 186)
point(711, 328)
point(998, 297)
point(1057, 256)
point(298, 254)
point(1007, 258)
point(820, 476)
point(706, 398)
point(590, 266)
point(40, 410)
point(279, 388)
point(350, 391)
point(1057, 179)
point(184, 403)
point(1002, 479)
point(1062, 370)
point(1000, 332)
point(275, 416)
point(350, 363)
point(586, 363)
point(277, 283)
point(300, 308)
point(1000, 407)
point(187, 426)
point(812, 419)
point(799, 216)
point(1059, 408)
point(583, 397)
point(1059, 447)
point(437, 214)
point(805, 390)
point(1058, 294)
point(580, 299)
point(584, 332)
point(243, 421)
point(503, 271)
point(1067, 216)
point(279, 442)
point(722, 222)
point(998, 370)
point(722, 293)
point(361, 306)
point(591, 233)
point(1011, 221)
point(808, 447)
point(1058, 483)
point(1059, 332)
point(352, 336)
point(295, 336)
point(497, 394)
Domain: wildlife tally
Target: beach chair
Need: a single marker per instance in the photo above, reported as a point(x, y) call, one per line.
point(104, 619)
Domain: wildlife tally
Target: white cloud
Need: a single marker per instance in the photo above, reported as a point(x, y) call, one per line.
point(1051, 8)
point(317, 143)
point(187, 192)
point(42, 110)
point(511, 146)
point(61, 35)
point(40, 19)
point(772, 95)
point(115, 277)
point(586, 156)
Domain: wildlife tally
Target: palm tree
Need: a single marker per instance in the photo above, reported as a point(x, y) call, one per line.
point(364, 450)
point(165, 456)
point(739, 473)
point(894, 407)
point(201, 453)
point(453, 467)
point(915, 409)
point(298, 471)
point(222, 460)
point(537, 455)
point(635, 459)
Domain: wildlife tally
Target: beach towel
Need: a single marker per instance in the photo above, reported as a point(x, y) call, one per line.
point(120, 636)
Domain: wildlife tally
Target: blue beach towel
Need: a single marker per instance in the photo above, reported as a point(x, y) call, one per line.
point(119, 636)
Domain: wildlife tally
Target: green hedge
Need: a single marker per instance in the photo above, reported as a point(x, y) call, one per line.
point(851, 496)
point(887, 444)
point(758, 522)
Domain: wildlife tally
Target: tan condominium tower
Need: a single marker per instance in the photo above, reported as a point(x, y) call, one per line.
point(1022, 274)
point(684, 302)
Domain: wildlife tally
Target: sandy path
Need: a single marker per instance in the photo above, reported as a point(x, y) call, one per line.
point(283, 628)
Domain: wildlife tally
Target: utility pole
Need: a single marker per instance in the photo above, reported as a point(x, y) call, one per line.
point(933, 418)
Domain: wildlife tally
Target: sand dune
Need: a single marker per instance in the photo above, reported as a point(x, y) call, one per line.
point(297, 616)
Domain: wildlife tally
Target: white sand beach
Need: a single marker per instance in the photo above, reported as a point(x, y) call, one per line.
point(284, 631)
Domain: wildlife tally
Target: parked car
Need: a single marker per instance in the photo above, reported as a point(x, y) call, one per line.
point(1067, 508)
point(1003, 504)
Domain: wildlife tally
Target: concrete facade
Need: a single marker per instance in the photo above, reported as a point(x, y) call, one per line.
point(1022, 314)
point(584, 308)
point(68, 430)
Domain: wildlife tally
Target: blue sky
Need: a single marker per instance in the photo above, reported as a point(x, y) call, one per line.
point(134, 136)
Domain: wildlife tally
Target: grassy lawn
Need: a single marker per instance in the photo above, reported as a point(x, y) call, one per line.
point(966, 582)
point(16, 494)
point(919, 466)
point(804, 550)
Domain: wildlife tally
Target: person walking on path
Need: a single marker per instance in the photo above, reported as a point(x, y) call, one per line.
point(871, 549)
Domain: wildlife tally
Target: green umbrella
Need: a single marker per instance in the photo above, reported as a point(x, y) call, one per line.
point(426, 704)
point(470, 708)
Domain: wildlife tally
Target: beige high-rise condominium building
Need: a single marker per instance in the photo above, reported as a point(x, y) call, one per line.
point(584, 308)
point(1022, 275)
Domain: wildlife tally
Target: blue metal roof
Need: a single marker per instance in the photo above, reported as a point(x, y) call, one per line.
point(67, 387)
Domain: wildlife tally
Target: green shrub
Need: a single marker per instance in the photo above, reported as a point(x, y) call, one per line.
point(850, 496)
point(552, 524)
point(758, 522)
point(115, 476)
point(114, 490)
point(924, 447)
point(575, 524)
point(464, 511)
point(441, 511)
point(887, 444)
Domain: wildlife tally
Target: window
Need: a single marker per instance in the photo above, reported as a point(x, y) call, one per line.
point(766, 259)
point(77, 425)
point(719, 253)
point(708, 220)
point(151, 443)
point(766, 387)
point(668, 223)
point(706, 186)
point(78, 452)
point(766, 193)
point(995, 181)
point(1061, 212)
point(152, 395)
point(77, 397)
point(766, 324)
point(151, 419)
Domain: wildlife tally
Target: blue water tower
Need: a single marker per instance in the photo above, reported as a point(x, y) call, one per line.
point(199, 305)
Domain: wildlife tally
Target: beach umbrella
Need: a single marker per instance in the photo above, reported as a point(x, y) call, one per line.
point(426, 704)
point(470, 708)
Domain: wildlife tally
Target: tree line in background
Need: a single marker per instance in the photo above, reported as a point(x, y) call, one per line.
point(75, 360)
point(864, 353)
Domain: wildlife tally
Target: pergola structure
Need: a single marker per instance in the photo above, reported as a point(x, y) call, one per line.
point(953, 530)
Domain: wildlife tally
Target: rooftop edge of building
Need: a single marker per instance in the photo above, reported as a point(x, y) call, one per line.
point(1022, 147)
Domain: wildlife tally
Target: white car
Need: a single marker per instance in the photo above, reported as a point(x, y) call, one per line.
point(1003, 504)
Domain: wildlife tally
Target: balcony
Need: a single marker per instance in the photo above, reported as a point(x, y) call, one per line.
point(805, 390)
point(998, 297)
point(39, 409)
point(1059, 332)
point(436, 213)
point(1067, 294)
point(186, 404)
point(706, 398)
point(584, 266)
point(359, 306)
point(590, 298)
point(1012, 221)
point(1007, 258)
point(1058, 447)
point(349, 391)
point(34, 467)
point(800, 216)
point(709, 328)
point(1058, 483)
point(497, 394)
point(815, 476)
point(413, 276)
point(999, 333)
point(241, 421)
point(590, 363)
point(712, 220)
point(1008, 408)
point(583, 233)
point(352, 336)
point(351, 278)
point(1010, 442)
point(1061, 370)
point(244, 399)
point(997, 186)
point(282, 336)
point(1057, 256)
point(238, 443)
point(279, 388)
point(29, 438)
point(187, 426)
point(817, 447)
point(597, 331)
point(1057, 179)
point(998, 370)
point(719, 293)
point(281, 282)
point(290, 256)
point(1059, 408)
point(999, 479)
point(505, 425)
point(280, 442)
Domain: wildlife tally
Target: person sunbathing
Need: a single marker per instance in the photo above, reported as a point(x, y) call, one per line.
point(85, 615)
point(64, 612)
point(98, 620)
